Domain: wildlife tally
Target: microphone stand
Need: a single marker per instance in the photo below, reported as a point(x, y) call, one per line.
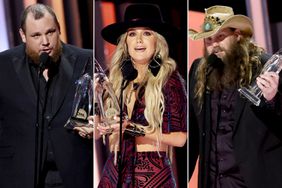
point(37, 161)
point(206, 123)
point(123, 85)
point(44, 59)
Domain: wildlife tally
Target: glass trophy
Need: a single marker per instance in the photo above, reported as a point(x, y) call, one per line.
point(253, 92)
point(108, 105)
point(82, 104)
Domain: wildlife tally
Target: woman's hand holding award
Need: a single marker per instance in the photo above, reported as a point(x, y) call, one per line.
point(108, 105)
point(104, 100)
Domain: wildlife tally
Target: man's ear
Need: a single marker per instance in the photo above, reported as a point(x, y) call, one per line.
point(22, 34)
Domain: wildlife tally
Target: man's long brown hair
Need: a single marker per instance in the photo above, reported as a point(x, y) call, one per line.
point(241, 65)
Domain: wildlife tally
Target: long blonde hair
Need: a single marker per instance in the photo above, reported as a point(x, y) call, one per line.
point(154, 99)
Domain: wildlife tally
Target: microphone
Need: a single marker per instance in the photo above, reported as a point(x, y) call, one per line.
point(129, 73)
point(44, 59)
point(212, 62)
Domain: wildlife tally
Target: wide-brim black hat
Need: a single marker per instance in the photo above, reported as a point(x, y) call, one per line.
point(139, 15)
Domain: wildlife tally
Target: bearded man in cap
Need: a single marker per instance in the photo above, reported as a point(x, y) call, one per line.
point(238, 143)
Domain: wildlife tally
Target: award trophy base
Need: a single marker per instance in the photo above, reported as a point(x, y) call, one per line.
point(249, 95)
point(76, 122)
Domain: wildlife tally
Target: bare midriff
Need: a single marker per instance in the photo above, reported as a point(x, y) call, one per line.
point(145, 144)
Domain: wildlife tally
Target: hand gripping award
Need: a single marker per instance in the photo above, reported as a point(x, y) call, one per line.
point(104, 86)
point(83, 99)
point(253, 92)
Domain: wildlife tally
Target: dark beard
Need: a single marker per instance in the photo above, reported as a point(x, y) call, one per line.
point(34, 56)
point(226, 74)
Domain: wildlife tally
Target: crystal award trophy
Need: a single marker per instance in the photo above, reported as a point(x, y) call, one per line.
point(82, 104)
point(253, 92)
point(108, 105)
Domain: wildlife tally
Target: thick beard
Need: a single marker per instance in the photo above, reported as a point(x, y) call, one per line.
point(226, 73)
point(34, 56)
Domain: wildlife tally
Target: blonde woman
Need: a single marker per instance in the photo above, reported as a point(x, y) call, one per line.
point(155, 101)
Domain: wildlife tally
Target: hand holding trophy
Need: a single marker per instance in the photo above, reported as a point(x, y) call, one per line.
point(253, 92)
point(109, 106)
point(107, 114)
point(97, 94)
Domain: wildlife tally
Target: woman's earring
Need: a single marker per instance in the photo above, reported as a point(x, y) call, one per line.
point(155, 65)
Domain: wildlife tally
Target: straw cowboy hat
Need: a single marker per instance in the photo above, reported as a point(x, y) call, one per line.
point(219, 17)
point(139, 15)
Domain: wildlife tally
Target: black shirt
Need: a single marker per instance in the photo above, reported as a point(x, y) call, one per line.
point(224, 171)
point(45, 90)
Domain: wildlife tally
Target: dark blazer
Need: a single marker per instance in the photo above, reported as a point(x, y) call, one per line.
point(257, 139)
point(73, 154)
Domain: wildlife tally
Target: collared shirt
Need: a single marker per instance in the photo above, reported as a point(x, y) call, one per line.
point(224, 171)
point(45, 92)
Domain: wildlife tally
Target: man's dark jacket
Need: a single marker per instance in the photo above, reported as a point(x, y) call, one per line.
point(257, 139)
point(73, 154)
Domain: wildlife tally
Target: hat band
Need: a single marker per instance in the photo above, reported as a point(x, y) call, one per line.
point(211, 22)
